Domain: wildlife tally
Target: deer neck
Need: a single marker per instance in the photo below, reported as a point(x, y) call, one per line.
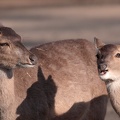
point(7, 96)
point(114, 94)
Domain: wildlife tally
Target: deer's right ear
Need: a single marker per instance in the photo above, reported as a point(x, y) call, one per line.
point(98, 43)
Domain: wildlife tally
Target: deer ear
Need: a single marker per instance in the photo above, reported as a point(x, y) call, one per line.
point(98, 43)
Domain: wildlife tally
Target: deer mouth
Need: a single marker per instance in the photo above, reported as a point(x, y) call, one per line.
point(103, 72)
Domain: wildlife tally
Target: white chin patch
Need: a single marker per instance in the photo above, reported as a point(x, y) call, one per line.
point(105, 76)
point(110, 75)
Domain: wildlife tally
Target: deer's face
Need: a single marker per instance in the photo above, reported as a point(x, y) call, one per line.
point(12, 51)
point(108, 61)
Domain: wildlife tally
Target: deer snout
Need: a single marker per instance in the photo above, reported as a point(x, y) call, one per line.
point(102, 66)
point(33, 59)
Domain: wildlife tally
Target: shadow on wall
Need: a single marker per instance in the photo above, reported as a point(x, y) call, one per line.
point(40, 100)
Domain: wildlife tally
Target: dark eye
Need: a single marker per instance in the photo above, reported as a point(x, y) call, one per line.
point(117, 55)
point(4, 44)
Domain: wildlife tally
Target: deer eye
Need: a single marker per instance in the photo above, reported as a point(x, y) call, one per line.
point(117, 55)
point(4, 44)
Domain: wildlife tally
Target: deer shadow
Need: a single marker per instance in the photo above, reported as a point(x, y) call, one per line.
point(39, 104)
point(90, 110)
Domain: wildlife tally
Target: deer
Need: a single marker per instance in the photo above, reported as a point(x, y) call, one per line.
point(81, 95)
point(12, 55)
point(108, 59)
point(52, 81)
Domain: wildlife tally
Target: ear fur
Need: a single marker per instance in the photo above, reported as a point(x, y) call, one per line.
point(98, 43)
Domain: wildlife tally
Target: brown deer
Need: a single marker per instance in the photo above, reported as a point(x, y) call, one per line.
point(65, 87)
point(12, 54)
point(72, 65)
point(108, 59)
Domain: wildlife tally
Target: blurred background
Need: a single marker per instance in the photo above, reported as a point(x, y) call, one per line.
point(42, 21)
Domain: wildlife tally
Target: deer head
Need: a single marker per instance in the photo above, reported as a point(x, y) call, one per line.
point(108, 60)
point(12, 51)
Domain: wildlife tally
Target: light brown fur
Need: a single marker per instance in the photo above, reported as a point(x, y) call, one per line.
point(12, 54)
point(7, 97)
point(65, 87)
point(72, 65)
point(108, 67)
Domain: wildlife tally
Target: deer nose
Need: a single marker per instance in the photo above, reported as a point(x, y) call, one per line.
point(33, 59)
point(102, 66)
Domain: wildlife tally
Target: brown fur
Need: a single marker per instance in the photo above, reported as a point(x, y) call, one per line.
point(109, 60)
point(65, 87)
point(12, 54)
point(72, 64)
